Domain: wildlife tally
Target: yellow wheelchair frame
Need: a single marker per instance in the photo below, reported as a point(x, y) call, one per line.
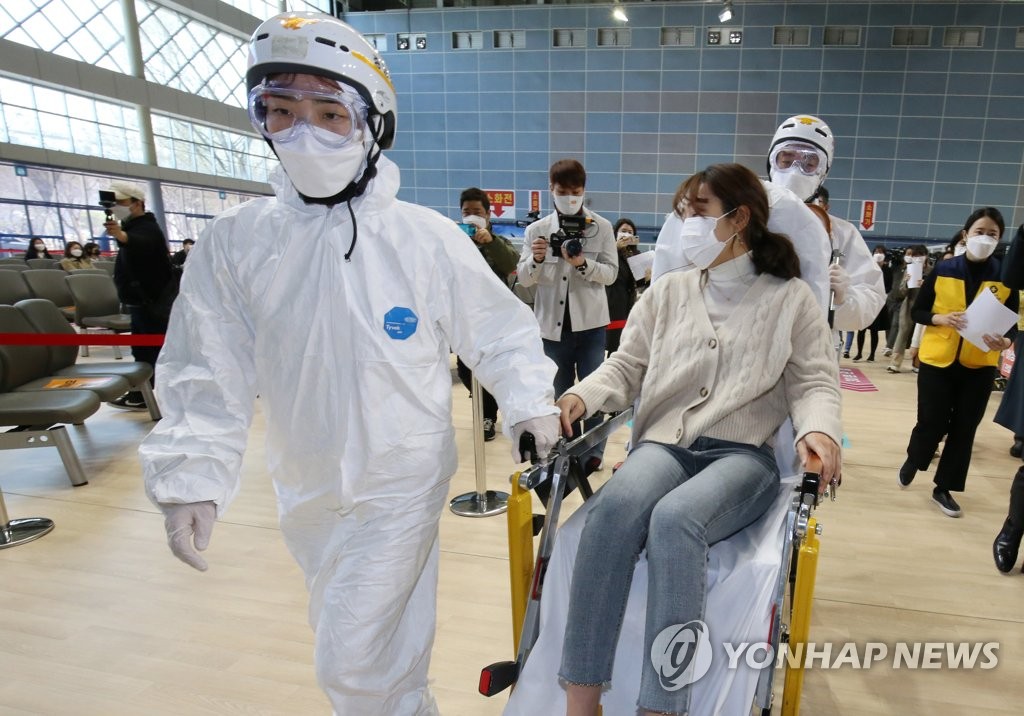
point(792, 599)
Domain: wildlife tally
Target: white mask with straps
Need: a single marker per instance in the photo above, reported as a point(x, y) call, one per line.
point(980, 246)
point(477, 221)
point(800, 184)
point(568, 204)
point(120, 212)
point(316, 170)
point(700, 245)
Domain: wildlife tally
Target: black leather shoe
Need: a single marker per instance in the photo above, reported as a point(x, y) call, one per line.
point(1004, 549)
point(946, 503)
point(1017, 449)
point(907, 474)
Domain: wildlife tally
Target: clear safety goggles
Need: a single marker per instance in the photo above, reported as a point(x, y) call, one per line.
point(282, 114)
point(802, 157)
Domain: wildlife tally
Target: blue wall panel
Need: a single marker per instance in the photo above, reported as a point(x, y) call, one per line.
point(927, 132)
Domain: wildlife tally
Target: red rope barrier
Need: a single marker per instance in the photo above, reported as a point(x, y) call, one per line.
point(81, 339)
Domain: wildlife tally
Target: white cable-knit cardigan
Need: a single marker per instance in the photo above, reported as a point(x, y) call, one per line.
point(772, 357)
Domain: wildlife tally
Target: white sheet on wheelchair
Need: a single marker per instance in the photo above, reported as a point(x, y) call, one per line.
point(742, 572)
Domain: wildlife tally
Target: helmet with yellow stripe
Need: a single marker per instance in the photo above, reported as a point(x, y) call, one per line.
point(318, 44)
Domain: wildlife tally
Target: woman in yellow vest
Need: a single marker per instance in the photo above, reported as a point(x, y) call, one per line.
point(956, 377)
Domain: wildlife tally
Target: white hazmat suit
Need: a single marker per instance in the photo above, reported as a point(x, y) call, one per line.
point(351, 361)
point(866, 293)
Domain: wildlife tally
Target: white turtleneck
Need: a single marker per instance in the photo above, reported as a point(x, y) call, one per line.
point(726, 286)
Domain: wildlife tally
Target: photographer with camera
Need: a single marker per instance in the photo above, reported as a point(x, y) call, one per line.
point(570, 256)
point(501, 256)
point(142, 270)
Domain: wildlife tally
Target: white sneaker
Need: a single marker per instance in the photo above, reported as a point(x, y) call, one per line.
point(887, 352)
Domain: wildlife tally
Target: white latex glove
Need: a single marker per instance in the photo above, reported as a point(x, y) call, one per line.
point(839, 282)
point(188, 524)
point(545, 434)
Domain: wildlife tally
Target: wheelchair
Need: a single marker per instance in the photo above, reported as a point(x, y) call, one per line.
point(784, 600)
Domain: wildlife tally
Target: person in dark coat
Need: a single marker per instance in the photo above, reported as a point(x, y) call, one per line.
point(1011, 415)
point(142, 272)
point(623, 293)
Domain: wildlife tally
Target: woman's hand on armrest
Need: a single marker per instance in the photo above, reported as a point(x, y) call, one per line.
point(827, 450)
point(572, 410)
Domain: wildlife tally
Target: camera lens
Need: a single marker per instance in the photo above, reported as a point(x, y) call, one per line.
point(573, 248)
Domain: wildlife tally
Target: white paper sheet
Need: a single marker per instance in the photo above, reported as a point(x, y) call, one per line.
point(986, 315)
point(914, 274)
point(640, 263)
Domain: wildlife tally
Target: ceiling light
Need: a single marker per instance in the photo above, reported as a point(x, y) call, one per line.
point(619, 14)
point(725, 14)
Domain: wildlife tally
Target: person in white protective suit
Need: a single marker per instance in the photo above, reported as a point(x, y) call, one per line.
point(337, 304)
point(799, 159)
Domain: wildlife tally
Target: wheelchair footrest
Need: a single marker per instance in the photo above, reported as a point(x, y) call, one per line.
point(497, 677)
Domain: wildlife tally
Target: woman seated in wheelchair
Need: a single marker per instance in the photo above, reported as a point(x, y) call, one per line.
point(717, 358)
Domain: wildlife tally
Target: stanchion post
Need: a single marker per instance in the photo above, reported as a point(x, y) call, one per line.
point(483, 502)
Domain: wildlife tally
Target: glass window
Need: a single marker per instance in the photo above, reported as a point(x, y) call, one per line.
point(23, 126)
point(76, 224)
point(89, 30)
point(45, 220)
point(52, 101)
point(16, 93)
point(50, 127)
point(187, 54)
point(86, 138)
point(13, 219)
point(38, 185)
point(56, 132)
point(10, 183)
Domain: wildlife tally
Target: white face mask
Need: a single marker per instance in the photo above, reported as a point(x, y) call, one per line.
point(477, 221)
point(959, 250)
point(918, 259)
point(800, 184)
point(120, 212)
point(879, 258)
point(908, 260)
point(77, 253)
point(700, 245)
point(981, 247)
point(317, 171)
point(568, 204)
point(40, 248)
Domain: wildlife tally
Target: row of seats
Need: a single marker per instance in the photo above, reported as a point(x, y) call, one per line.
point(42, 388)
point(17, 264)
point(87, 297)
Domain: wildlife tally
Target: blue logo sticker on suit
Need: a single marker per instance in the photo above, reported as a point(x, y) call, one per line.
point(400, 323)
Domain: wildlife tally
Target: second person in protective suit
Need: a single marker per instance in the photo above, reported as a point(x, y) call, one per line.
point(337, 303)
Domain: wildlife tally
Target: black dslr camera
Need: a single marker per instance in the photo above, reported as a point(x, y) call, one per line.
point(570, 235)
point(107, 201)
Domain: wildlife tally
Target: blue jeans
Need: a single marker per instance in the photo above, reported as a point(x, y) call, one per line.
point(577, 355)
point(676, 502)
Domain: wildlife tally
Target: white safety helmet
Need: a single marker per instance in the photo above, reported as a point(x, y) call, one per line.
point(808, 130)
point(318, 44)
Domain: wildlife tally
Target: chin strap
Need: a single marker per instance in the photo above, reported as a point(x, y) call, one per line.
point(355, 232)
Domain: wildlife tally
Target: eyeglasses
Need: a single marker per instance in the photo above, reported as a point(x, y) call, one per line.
point(797, 156)
point(282, 114)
